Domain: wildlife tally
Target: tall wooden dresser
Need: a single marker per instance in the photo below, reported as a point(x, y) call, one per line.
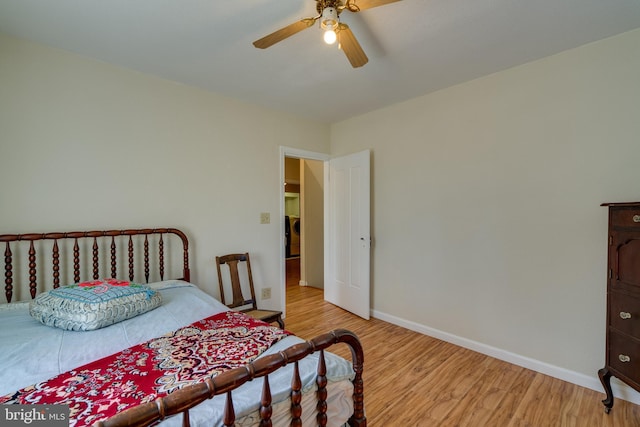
point(623, 299)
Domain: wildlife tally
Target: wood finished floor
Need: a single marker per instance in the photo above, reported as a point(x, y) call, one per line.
point(415, 380)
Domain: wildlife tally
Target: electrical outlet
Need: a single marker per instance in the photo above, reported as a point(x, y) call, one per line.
point(266, 293)
point(265, 218)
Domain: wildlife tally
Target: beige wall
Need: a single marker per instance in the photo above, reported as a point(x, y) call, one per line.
point(86, 145)
point(497, 239)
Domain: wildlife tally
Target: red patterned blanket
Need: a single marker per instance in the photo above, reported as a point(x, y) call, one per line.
point(140, 374)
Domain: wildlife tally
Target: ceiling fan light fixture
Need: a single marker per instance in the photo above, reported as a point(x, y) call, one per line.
point(329, 20)
point(329, 23)
point(330, 37)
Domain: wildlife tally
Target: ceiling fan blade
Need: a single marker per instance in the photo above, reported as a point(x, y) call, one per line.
point(351, 47)
point(367, 4)
point(283, 33)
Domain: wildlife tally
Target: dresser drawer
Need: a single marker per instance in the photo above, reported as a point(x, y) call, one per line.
point(625, 313)
point(624, 262)
point(625, 217)
point(624, 355)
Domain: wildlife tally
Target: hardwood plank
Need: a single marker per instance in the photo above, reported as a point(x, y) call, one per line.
point(415, 380)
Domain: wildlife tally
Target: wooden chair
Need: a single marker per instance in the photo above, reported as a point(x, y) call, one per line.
point(248, 306)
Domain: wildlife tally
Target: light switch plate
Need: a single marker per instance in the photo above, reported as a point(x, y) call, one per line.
point(265, 218)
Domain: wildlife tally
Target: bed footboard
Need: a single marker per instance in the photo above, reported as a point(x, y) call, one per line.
point(180, 401)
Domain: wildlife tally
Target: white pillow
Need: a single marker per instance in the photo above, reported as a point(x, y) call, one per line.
point(94, 304)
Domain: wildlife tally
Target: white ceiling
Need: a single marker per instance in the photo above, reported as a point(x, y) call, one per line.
point(414, 46)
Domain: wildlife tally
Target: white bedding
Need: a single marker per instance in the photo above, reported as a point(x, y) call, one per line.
point(31, 352)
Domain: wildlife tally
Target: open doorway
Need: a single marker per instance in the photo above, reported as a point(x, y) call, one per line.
point(302, 202)
point(292, 220)
point(346, 212)
point(304, 222)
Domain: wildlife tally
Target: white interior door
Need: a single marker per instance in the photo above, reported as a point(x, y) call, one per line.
point(347, 232)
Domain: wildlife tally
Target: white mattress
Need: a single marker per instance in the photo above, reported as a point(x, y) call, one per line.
point(31, 352)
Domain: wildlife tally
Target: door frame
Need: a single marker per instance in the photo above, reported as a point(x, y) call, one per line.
point(298, 154)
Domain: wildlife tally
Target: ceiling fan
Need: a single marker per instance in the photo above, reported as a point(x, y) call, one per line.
point(329, 15)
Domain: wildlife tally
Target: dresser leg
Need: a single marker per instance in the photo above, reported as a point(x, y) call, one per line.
point(605, 379)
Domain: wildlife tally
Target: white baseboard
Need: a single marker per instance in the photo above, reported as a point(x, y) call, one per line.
point(620, 390)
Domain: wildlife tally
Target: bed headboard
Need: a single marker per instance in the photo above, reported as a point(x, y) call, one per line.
point(71, 252)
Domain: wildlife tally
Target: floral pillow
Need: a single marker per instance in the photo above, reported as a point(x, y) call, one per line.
point(94, 304)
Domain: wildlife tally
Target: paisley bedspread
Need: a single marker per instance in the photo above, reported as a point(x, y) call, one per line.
point(142, 373)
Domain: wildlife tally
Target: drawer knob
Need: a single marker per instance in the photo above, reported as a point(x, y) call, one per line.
point(636, 218)
point(625, 315)
point(624, 358)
